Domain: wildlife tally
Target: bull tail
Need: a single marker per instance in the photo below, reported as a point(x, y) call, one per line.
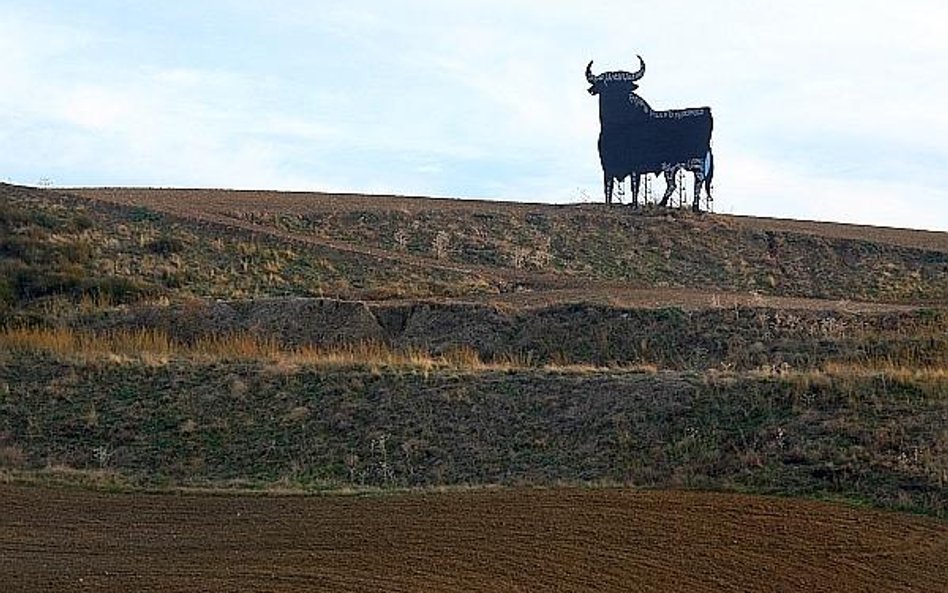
point(708, 172)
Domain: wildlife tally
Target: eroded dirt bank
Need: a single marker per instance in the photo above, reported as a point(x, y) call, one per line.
point(805, 334)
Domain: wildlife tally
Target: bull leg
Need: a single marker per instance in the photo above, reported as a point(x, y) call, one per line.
point(709, 169)
point(671, 184)
point(607, 182)
point(699, 179)
point(634, 187)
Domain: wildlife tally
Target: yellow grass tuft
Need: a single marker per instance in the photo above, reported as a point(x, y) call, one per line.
point(887, 369)
point(155, 347)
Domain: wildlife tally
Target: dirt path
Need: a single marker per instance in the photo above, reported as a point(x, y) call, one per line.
point(614, 295)
point(216, 208)
point(505, 540)
point(916, 239)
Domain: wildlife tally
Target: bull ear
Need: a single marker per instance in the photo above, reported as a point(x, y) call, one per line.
point(589, 75)
point(641, 71)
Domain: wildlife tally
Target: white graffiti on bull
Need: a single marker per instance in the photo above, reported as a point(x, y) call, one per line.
point(670, 114)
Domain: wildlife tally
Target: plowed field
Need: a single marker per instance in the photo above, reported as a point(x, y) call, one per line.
point(501, 540)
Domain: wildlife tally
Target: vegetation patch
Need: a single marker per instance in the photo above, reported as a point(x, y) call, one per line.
point(317, 343)
point(875, 435)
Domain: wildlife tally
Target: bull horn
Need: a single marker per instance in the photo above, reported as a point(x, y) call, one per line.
point(589, 74)
point(641, 71)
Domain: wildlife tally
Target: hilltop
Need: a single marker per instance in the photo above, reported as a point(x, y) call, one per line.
point(465, 248)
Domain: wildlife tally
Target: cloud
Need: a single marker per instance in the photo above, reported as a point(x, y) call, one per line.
point(821, 110)
point(768, 188)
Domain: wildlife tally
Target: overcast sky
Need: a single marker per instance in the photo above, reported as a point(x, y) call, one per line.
point(827, 110)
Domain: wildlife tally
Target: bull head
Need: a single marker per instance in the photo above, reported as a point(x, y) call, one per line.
point(620, 77)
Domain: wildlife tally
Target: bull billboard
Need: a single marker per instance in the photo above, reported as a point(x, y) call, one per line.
point(636, 140)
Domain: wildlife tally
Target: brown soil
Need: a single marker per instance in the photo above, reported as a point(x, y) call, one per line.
point(500, 540)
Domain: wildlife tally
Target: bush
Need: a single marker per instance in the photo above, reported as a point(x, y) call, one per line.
point(22, 248)
point(142, 214)
point(7, 293)
point(165, 245)
point(32, 283)
point(118, 290)
point(24, 283)
point(82, 222)
point(78, 252)
point(10, 215)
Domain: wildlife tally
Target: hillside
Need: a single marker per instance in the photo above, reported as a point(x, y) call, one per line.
point(165, 338)
point(499, 247)
point(227, 245)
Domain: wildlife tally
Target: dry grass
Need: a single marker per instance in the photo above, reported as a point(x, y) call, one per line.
point(837, 372)
point(888, 369)
point(157, 347)
point(12, 456)
point(930, 380)
point(860, 380)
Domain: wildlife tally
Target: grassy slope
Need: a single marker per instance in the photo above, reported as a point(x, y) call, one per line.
point(379, 250)
point(873, 435)
point(877, 437)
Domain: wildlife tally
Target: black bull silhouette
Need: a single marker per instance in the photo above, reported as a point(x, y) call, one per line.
point(635, 140)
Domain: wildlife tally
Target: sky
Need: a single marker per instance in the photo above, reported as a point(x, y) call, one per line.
point(824, 110)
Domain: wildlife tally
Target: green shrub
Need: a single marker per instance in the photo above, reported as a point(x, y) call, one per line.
point(32, 283)
point(142, 214)
point(10, 215)
point(119, 290)
point(82, 222)
point(78, 252)
point(165, 245)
